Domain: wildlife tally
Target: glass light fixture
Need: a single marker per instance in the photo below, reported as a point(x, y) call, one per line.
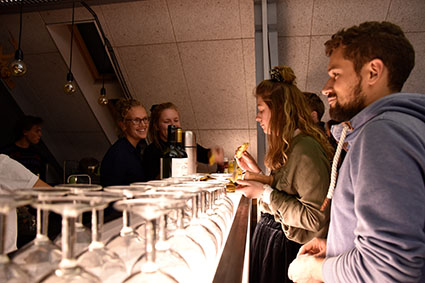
point(102, 98)
point(18, 67)
point(70, 86)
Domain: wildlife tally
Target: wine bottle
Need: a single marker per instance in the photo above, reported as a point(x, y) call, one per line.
point(179, 143)
point(169, 154)
point(180, 164)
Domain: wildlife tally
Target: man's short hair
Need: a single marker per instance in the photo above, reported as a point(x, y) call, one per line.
point(376, 40)
point(315, 104)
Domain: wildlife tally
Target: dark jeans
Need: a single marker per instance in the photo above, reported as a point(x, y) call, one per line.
point(271, 252)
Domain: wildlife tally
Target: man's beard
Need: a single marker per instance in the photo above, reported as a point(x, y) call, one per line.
point(341, 113)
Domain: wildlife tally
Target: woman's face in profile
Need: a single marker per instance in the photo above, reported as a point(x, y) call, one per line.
point(168, 117)
point(263, 115)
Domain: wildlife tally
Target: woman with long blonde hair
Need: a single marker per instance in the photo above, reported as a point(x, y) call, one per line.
point(298, 157)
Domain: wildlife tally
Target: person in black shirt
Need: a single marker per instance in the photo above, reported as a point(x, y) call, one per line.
point(122, 164)
point(28, 134)
point(162, 115)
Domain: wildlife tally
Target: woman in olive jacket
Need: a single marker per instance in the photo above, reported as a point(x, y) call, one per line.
point(298, 157)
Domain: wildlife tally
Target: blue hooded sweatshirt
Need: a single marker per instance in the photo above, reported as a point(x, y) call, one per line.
point(377, 228)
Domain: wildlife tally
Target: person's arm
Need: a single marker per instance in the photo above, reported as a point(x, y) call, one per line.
point(387, 165)
point(309, 261)
point(41, 183)
point(300, 188)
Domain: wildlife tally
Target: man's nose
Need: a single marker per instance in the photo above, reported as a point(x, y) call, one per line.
point(327, 88)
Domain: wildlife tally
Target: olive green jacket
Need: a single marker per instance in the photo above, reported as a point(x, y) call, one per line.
point(299, 188)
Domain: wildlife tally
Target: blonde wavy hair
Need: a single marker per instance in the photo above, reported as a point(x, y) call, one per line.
point(289, 111)
point(122, 106)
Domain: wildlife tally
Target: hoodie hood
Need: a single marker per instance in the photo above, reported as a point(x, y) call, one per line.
point(409, 103)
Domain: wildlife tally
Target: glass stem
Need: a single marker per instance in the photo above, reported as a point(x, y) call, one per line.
point(180, 219)
point(68, 237)
point(97, 224)
point(195, 199)
point(44, 222)
point(150, 239)
point(163, 228)
point(203, 200)
point(125, 218)
point(39, 225)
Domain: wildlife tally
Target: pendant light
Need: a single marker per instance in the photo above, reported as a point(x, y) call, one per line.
point(70, 87)
point(19, 68)
point(102, 98)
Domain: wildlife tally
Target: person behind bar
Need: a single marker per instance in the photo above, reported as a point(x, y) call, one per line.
point(298, 156)
point(377, 230)
point(15, 175)
point(28, 132)
point(317, 108)
point(162, 115)
point(122, 164)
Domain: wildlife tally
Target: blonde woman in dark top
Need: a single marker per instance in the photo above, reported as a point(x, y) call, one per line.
point(298, 157)
point(122, 164)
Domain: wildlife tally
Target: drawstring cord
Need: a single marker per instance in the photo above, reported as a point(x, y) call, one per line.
point(334, 171)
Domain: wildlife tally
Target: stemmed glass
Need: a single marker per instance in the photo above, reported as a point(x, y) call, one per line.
point(128, 244)
point(207, 222)
point(10, 271)
point(83, 234)
point(151, 207)
point(40, 256)
point(98, 259)
point(197, 230)
point(70, 207)
point(179, 241)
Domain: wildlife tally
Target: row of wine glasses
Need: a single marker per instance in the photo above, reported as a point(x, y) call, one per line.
point(185, 221)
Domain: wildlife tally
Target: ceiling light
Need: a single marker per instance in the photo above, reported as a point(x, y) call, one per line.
point(19, 68)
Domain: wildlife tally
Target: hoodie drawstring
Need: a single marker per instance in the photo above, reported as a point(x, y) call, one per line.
point(334, 171)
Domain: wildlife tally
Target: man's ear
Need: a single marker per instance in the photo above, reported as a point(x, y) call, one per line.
point(315, 116)
point(375, 70)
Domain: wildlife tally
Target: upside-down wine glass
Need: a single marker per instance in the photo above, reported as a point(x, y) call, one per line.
point(197, 231)
point(41, 255)
point(98, 259)
point(169, 260)
point(10, 271)
point(70, 207)
point(150, 209)
point(180, 242)
point(83, 234)
point(128, 244)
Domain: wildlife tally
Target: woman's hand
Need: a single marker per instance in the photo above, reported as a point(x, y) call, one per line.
point(247, 163)
point(218, 154)
point(250, 189)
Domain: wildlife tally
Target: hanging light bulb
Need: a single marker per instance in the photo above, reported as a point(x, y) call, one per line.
point(70, 87)
point(102, 98)
point(18, 67)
